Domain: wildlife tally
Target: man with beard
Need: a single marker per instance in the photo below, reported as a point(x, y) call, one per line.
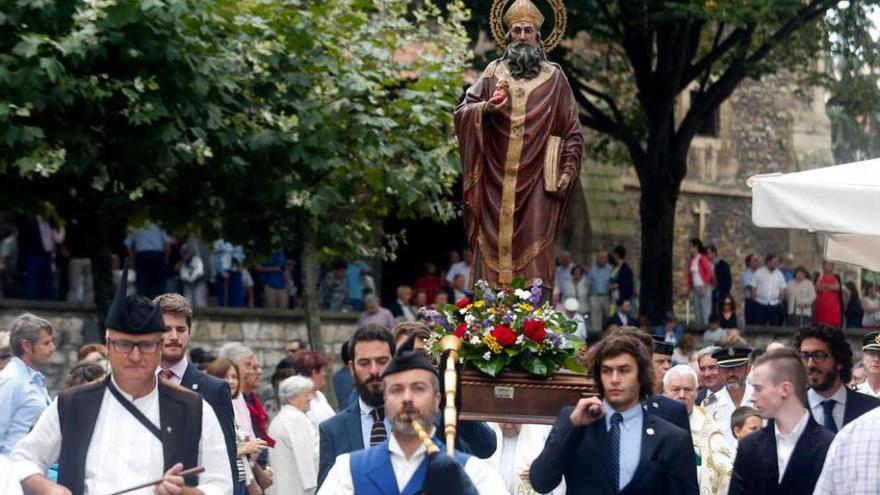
point(829, 361)
point(174, 367)
point(520, 143)
point(400, 463)
point(733, 364)
point(364, 422)
point(613, 445)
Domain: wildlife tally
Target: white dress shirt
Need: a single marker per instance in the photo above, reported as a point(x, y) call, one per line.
point(768, 286)
point(515, 454)
point(339, 480)
point(785, 443)
point(122, 453)
point(865, 388)
point(319, 409)
point(815, 400)
point(9, 484)
point(459, 268)
point(721, 409)
point(851, 459)
point(295, 455)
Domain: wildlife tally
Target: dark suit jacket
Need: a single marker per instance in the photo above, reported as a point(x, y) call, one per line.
point(857, 404)
point(672, 411)
point(723, 280)
point(614, 320)
point(756, 469)
point(216, 393)
point(667, 463)
point(342, 434)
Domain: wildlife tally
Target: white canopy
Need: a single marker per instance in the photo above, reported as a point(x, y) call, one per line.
point(842, 202)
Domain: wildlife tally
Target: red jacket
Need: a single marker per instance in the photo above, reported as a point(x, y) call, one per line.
point(706, 272)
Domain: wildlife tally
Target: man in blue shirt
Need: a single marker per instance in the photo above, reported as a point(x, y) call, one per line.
point(23, 394)
point(615, 445)
point(272, 274)
point(150, 249)
point(598, 279)
point(354, 283)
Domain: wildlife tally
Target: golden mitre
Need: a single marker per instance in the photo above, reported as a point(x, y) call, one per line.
point(523, 11)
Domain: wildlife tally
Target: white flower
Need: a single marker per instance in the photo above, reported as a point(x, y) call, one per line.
point(520, 339)
point(487, 356)
point(462, 311)
point(523, 294)
point(470, 319)
point(475, 340)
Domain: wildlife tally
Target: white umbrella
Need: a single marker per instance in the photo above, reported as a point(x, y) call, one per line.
point(842, 202)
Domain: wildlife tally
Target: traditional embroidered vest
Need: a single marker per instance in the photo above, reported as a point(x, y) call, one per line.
point(372, 474)
point(180, 413)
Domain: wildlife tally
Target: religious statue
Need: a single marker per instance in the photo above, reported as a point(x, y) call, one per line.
point(520, 144)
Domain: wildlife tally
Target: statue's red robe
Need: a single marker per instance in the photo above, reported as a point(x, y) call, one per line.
point(512, 222)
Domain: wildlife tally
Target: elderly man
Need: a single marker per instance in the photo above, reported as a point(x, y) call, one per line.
point(710, 379)
point(400, 463)
point(128, 429)
point(520, 143)
point(871, 359)
point(714, 456)
point(23, 394)
point(375, 314)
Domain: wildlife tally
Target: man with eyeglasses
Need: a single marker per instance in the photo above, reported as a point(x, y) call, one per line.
point(734, 367)
point(710, 377)
point(829, 362)
point(129, 429)
point(871, 360)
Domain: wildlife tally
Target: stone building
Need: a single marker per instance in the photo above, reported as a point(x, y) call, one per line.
point(766, 126)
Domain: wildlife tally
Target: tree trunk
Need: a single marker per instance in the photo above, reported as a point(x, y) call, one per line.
point(657, 212)
point(310, 300)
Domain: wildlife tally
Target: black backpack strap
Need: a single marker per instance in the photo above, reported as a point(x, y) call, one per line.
point(138, 415)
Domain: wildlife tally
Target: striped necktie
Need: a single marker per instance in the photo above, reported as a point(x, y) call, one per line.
point(378, 434)
point(614, 450)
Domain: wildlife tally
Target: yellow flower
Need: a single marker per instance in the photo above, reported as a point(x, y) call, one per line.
point(479, 304)
point(526, 307)
point(492, 344)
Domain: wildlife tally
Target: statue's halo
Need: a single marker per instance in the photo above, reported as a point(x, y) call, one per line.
point(560, 18)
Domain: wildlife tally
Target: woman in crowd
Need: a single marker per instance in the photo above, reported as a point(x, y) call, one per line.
point(801, 294)
point(853, 314)
point(727, 314)
point(829, 302)
point(699, 281)
point(313, 365)
point(295, 454)
point(577, 288)
point(871, 307)
point(248, 446)
point(91, 352)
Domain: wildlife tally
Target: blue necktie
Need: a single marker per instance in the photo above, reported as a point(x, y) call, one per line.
point(614, 450)
point(828, 407)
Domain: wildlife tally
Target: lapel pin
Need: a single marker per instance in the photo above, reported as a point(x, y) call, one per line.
point(195, 386)
point(168, 429)
point(654, 404)
point(650, 431)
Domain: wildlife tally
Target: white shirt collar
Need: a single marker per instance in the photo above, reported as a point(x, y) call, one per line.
point(815, 399)
point(396, 450)
point(366, 409)
point(153, 393)
point(24, 370)
point(795, 434)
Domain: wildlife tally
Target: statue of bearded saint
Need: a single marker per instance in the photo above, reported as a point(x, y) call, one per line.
point(520, 143)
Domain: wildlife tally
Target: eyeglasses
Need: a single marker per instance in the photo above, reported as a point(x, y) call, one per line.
point(818, 356)
point(126, 346)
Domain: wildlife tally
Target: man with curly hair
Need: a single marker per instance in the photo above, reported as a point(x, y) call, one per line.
point(829, 361)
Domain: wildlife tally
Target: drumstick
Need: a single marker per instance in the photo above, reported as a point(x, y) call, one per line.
point(188, 472)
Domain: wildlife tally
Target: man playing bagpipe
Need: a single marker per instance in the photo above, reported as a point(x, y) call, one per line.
point(405, 464)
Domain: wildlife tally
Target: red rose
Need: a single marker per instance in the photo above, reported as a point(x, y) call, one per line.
point(534, 330)
point(463, 303)
point(460, 330)
point(504, 335)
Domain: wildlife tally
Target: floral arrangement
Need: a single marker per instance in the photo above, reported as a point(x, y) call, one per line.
point(509, 328)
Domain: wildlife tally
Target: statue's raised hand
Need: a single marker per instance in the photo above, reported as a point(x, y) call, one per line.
point(499, 99)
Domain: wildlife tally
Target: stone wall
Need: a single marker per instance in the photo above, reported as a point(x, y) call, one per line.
point(264, 331)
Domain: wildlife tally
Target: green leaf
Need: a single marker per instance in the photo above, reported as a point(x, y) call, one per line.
point(491, 367)
point(533, 364)
point(571, 363)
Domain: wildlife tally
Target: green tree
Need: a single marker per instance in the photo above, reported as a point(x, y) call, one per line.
point(346, 118)
point(107, 105)
point(631, 60)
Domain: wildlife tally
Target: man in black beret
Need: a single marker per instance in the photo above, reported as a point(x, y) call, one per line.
point(401, 464)
point(129, 429)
